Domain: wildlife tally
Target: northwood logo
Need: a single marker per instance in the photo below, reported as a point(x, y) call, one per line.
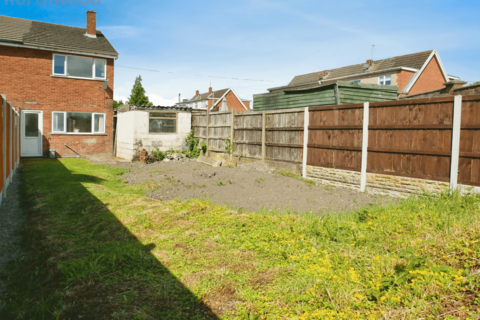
point(52, 2)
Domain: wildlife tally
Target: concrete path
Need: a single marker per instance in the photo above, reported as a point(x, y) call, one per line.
point(12, 220)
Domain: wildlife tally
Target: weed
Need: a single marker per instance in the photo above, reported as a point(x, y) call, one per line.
point(220, 184)
point(229, 145)
point(298, 177)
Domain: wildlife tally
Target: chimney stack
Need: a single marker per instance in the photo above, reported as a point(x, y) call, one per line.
point(197, 94)
point(210, 91)
point(91, 23)
point(370, 62)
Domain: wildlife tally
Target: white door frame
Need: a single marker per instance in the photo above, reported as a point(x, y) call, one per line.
point(40, 129)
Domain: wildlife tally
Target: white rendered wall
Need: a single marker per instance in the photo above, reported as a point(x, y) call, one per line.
point(133, 135)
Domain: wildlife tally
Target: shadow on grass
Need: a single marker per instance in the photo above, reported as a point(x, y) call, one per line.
point(82, 262)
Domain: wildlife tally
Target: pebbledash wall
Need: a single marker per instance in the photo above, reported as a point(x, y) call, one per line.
point(9, 144)
point(26, 79)
point(133, 131)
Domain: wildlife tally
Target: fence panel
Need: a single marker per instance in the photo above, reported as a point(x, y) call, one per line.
point(199, 126)
point(335, 137)
point(284, 135)
point(412, 140)
point(248, 135)
point(469, 162)
point(219, 128)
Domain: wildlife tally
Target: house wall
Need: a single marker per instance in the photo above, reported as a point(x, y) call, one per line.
point(374, 80)
point(232, 102)
point(28, 83)
point(133, 134)
point(430, 79)
point(402, 78)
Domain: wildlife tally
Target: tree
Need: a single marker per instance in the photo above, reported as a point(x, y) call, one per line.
point(117, 104)
point(138, 97)
point(478, 82)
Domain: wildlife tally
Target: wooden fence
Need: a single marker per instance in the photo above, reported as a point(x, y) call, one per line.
point(411, 138)
point(434, 139)
point(275, 135)
point(9, 144)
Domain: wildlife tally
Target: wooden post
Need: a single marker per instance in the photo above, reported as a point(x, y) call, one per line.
point(457, 122)
point(232, 134)
point(264, 136)
point(366, 120)
point(306, 122)
point(4, 151)
point(208, 122)
point(4, 140)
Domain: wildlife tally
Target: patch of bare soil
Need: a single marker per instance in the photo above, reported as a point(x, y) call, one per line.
point(250, 187)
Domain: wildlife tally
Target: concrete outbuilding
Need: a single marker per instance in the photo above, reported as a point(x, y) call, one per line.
point(151, 128)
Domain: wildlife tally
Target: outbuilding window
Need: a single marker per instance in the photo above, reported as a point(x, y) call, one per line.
point(162, 122)
point(79, 67)
point(385, 80)
point(78, 122)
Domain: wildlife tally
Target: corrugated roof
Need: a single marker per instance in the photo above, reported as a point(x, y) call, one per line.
point(414, 61)
point(53, 36)
point(215, 94)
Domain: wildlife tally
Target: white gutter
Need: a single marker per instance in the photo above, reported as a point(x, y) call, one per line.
point(57, 50)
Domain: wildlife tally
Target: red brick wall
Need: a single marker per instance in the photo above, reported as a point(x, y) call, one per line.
point(403, 77)
point(26, 80)
point(430, 79)
point(247, 104)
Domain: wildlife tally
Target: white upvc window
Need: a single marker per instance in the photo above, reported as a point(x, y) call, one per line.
point(79, 67)
point(78, 122)
point(385, 80)
point(356, 81)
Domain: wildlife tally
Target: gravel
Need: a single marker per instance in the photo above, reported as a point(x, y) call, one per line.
point(11, 222)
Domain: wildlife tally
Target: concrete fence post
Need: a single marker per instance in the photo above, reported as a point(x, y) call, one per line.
point(264, 136)
point(456, 128)
point(306, 121)
point(366, 120)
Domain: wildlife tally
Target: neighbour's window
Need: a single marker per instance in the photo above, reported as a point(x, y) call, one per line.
point(385, 80)
point(163, 122)
point(356, 81)
point(79, 67)
point(78, 122)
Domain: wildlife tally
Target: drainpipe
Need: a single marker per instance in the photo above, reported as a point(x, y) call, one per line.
point(66, 145)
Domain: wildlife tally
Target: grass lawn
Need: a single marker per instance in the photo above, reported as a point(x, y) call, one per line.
point(99, 249)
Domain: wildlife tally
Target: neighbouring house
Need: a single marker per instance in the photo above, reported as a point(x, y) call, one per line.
point(452, 88)
point(408, 74)
point(220, 100)
point(151, 128)
point(61, 78)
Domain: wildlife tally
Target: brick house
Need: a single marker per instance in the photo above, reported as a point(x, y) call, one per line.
point(61, 78)
point(220, 100)
point(412, 73)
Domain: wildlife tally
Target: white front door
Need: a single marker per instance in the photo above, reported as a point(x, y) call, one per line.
point(32, 133)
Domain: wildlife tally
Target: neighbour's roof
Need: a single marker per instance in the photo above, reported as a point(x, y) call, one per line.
point(53, 36)
point(413, 61)
point(215, 94)
point(126, 108)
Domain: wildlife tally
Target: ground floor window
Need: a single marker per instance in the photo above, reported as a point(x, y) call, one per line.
point(78, 122)
point(162, 122)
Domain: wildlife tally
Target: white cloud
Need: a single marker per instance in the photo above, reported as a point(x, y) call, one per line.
point(161, 101)
point(121, 98)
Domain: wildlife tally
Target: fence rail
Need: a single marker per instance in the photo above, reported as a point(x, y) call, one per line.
point(9, 144)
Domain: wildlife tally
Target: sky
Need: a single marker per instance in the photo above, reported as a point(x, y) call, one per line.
point(252, 45)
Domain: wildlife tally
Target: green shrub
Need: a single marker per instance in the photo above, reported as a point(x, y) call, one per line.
point(193, 149)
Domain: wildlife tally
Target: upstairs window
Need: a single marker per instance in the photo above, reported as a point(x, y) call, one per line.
point(163, 122)
point(356, 81)
point(385, 80)
point(79, 67)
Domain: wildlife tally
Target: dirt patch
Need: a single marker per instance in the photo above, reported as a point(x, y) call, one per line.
point(250, 187)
